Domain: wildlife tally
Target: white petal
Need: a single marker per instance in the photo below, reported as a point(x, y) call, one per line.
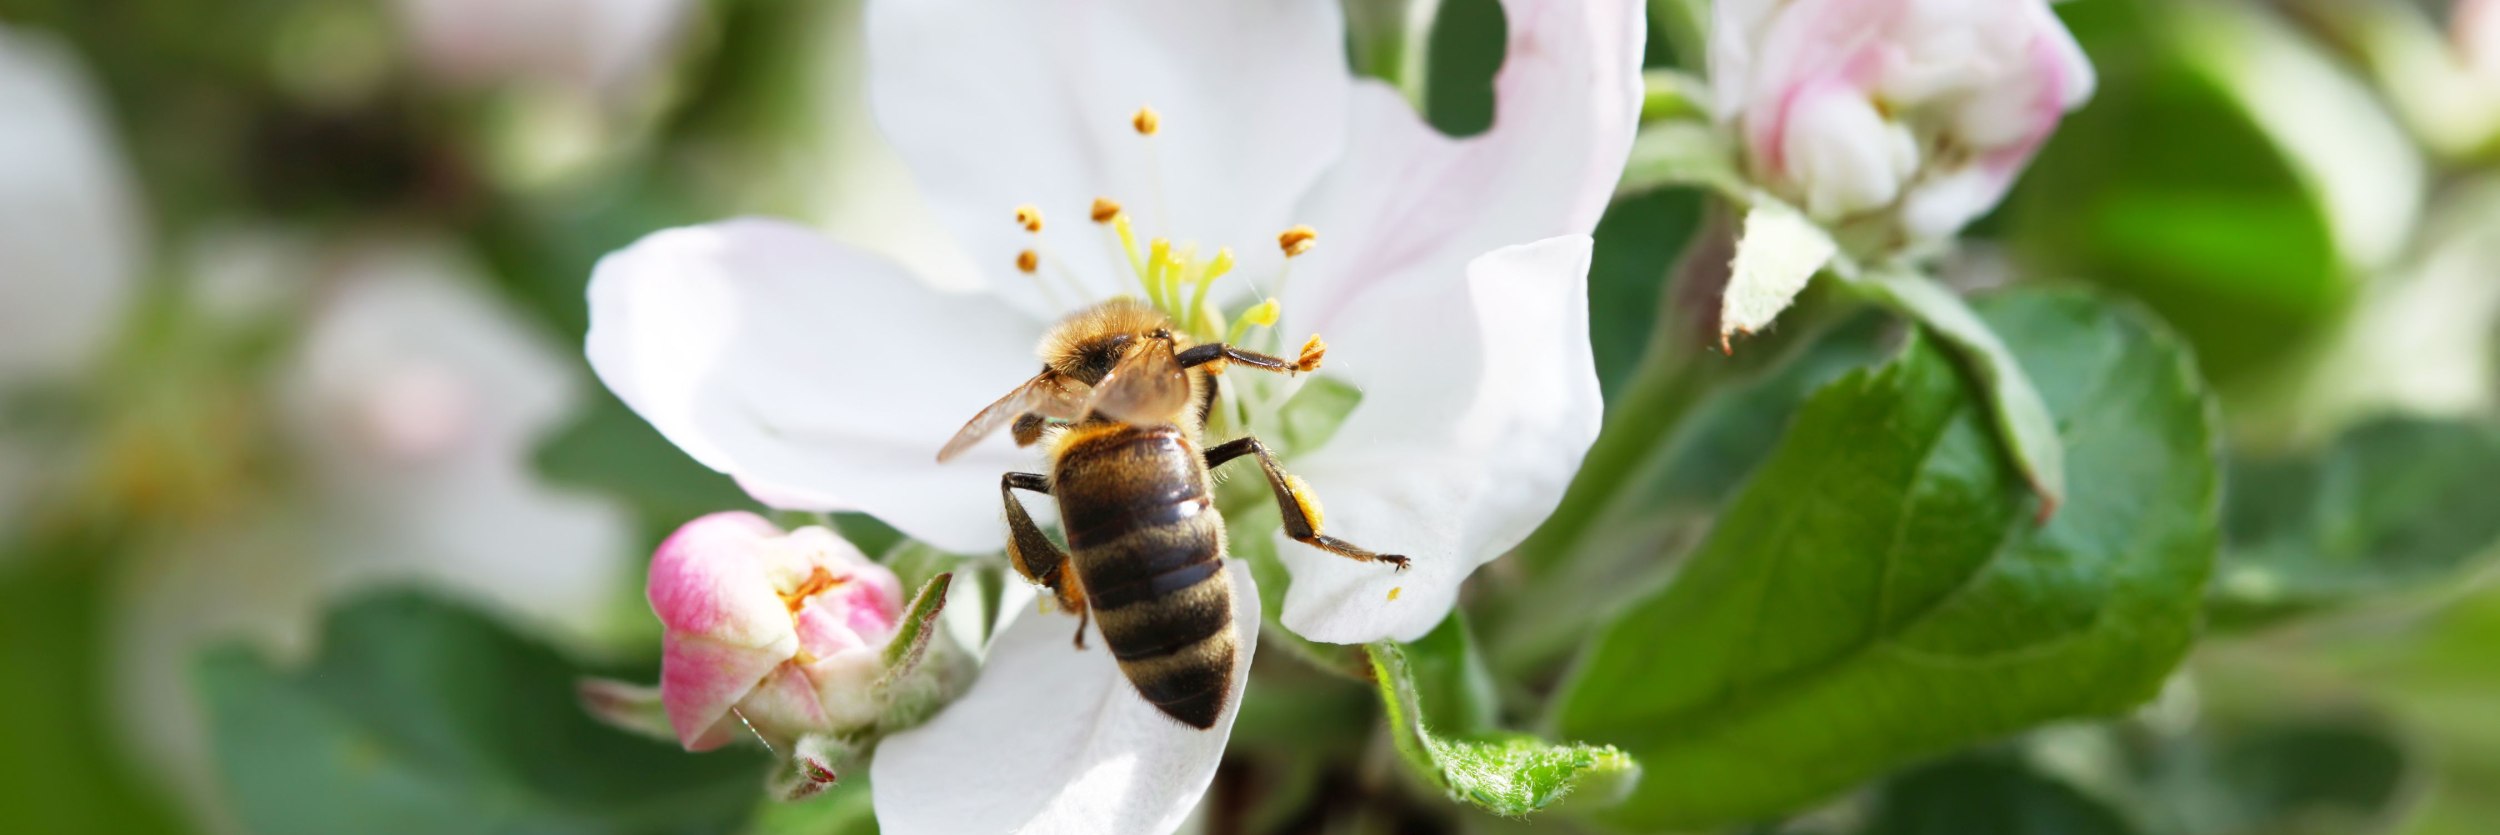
point(1842, 154)
point(1567, 101)
point(1477, 407)
point(812, 370)
point(70, 240)
point(1051, 739)
point(419, 401)
point(999, 103)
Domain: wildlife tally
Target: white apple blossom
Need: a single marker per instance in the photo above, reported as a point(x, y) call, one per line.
point(70, 237)
point(412, 407)
point(1448, 275)
point(1922, 110)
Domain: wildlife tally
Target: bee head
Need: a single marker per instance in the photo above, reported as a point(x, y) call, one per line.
point(1086, 345)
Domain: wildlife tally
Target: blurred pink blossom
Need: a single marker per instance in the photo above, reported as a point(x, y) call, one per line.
point(1923, 109)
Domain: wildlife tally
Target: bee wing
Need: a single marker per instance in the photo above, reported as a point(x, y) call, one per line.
point(1147, 387)
point(1047, 394)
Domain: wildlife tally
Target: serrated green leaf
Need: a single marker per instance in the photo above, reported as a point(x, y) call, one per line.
point(2022, 418)
point(1879, 594)
point(2393, 505)
point(1506, 774)
point(420, 717)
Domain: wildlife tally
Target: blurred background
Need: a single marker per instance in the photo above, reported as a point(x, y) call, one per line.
point(291, 306)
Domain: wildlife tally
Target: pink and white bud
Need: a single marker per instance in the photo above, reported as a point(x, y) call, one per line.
point(783, 632)
point(1922, 110)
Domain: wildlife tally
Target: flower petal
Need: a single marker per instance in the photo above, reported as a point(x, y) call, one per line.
point(1477, 407)
point(1001, 103)
point(69, 226)
point(1051, 739)
point(809, 369)
point(1405, 197)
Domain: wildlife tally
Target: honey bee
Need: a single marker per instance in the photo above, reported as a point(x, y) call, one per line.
point(1126, 398)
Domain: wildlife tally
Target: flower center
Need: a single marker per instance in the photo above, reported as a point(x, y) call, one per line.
point(817, 581)
point(1176, 278)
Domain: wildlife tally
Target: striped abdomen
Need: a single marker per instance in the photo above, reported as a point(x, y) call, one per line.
point(1148, 549)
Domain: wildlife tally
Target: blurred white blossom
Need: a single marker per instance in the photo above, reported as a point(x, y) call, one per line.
point(410, 408)
point(71, 237)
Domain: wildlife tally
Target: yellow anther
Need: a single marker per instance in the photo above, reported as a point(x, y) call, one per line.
point(1105, 209)
point(1297, 240)
point(1029, 217)
point(1313, 350)
point(1029, 261)
point(1393, 593)
point(1147, 121)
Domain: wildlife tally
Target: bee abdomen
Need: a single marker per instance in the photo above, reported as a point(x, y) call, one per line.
point(1177, 647)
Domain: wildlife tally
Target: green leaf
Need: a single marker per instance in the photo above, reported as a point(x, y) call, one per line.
point(1878, 593)
point(2245, 237)
point(2393, 505)
point(1778, 253)
point(420, 717)
point(60, 770)
point(2021, 416)
point(2312, 774)
point(611, 449)
point(1506, 774)
point(1993, 794)
point(1638, 243)
point(1680, 153)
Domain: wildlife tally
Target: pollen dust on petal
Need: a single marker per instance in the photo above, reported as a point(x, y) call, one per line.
point(1393, 593)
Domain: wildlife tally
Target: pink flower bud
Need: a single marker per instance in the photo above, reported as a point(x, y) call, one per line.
point(786, 632)
point(1922, 109)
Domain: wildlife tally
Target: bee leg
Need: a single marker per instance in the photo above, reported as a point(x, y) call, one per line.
point(1034, 555)
point(1295, 502)
point(1222, 355)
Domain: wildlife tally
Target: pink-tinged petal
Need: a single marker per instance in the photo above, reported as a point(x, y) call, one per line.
point(1000, 103)
point(1455, 466)
point(825, 628)
point(783, 706)
point(807, 368)
point(702, 678)
point(709, 578)
point(1407, 198)
point(1051, 739)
